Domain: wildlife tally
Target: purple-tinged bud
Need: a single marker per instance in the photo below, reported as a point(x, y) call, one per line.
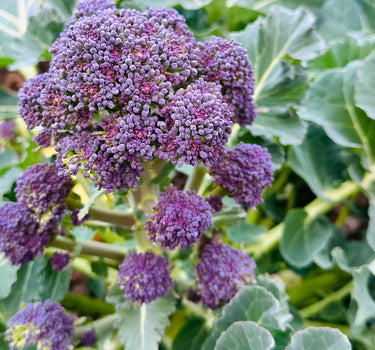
point(88, 338)
point(45, 325)
point(221, 272)
point(227, 63)
point(244, 171)
point(8, 129)
point(43, 190)
point(75, 220)
point(59, 261)
point(22, 236)
point(179, 219)
point(216, 203)
point(144, 277)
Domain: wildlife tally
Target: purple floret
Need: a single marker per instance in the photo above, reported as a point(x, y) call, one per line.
point(22, 236)
point(42, 324)
point(89, 338)
point(221, 272)
point(216, 203)
point(179, 219)
point(43, 190)
point(144, 277)
point(7, 129)
point(198, 125)
point(244, 171)
point(227, 63)
point(60, 261)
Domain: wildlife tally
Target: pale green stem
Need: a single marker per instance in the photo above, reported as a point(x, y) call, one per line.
point(315, 308)
point(100, 249)
point(101, 326)
point(195, 180)
point(317, 207)
point(230, 216)
point(235, 130)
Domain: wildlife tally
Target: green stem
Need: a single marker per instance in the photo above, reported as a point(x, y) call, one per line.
point(195, 180)
point(321, 304)
point(85, 305)
point(230, 216)
point(101, 326)
point(235, 130)
point(124, 219)
point(100, 249)
point(317, 207)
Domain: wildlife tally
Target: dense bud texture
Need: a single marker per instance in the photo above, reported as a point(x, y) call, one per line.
point(59, 261)
point(221, 272)
point(216, 203)
point(42, 324)
point(226, 62)
point(144, 277)
point(89, 338)
point(179, 219)
point(126, 87)
point(43, 190)
point(244, 171)
point(7, 129)
point(22, 236)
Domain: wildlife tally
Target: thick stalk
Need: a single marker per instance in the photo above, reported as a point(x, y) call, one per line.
point(195, 180)
point(317, 207)
point(100, 249)
point(85, 305)
point(124, 219)
point(101, 326)
point(315, 308)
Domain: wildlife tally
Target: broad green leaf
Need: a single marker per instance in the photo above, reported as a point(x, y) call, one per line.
point(371, 226)
point(8, 158)
point(8, 104)
point(330, 103)
point(365, 86)
point(354, 46)
point(268, 41)
point(317, 160)
point(245, 335)
point(252, 303)
point(322, 338)
point(246, 233)
point(83, 232)
point(8, 273)
point(188, 4)
point(141, 327)
point(8, 179)
point(334, 24)
point(302, 239)
point(192, 335)
point(288, 127)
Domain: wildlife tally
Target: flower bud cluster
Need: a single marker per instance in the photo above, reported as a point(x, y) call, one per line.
point(125, 87)
point(42, 324)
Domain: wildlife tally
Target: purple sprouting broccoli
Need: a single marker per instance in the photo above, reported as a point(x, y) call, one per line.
point(227, 63)
point(216, 203)
point(221, 272)
point(59, 261)
point(7, 130)
point(179, 219)
point(22, 236)
point(144, 277)
point(43, 190)
point(45, 325)
point(244, 171)
point(197, 124)
point(89, 338)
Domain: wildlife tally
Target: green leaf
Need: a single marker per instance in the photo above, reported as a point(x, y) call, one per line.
point(317, 160)
point(188, 4)
point(246, 233)
point(8, 273)
point(83, 232)
point(245, 335)
point(289, 128)
point(370, 236)
point(8, 104)
point(354, 46)
point(365, 86)
point(252, 303)
point(192, 335)
point(268, 41)
point(322, 338)
point(303, 239)
point(330, 103)
point(8, 179)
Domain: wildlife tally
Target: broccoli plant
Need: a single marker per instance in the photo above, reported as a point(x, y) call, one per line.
point(188, 175)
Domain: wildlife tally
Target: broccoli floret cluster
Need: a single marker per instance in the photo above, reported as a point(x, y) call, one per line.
point(7, 129)
point(179, 219)
point(221, 272)
point(59, 261)
point(245, 171)
point(144, 277)
point(45, 325)
point(125, 87)
point(30, 224)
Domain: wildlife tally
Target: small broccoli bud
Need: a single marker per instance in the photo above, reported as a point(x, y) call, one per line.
point(60, 261)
